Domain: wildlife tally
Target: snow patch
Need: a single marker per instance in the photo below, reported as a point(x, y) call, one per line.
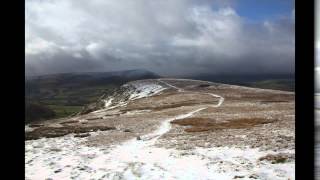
point(136, 90)
point(27, 128)
point(137, 112)
point(108, 102)
point(145, 90)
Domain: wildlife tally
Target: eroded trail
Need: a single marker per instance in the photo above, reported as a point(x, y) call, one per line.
point(165, 127)
point(135, 156)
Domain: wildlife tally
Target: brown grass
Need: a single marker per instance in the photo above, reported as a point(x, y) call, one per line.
point(251, 96)
point(51, 132)
point(207, 124)
point(164, 106)
point(270, 101)
point(35, 125)
point(158, 108)
point(195, 122)
point(174, 105)
point(168, 100)
point(95, 118)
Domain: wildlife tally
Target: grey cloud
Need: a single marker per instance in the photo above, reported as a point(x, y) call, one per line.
point(167, 37)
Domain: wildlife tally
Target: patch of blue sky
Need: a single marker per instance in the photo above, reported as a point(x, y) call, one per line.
point(261, 10)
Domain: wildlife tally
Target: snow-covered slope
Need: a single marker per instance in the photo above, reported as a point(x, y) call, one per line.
point(132, 91)
point(67, 158)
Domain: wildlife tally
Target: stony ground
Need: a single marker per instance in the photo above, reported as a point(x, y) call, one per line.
point(195, 118)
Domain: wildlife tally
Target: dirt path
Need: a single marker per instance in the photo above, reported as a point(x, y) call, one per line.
point(165, 126)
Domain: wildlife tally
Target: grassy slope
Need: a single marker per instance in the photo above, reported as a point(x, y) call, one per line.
point(278, 84)
point(285, 82)
point(67, 94)
point(67, 101)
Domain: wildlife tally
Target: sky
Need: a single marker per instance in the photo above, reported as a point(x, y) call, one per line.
point(180, 37)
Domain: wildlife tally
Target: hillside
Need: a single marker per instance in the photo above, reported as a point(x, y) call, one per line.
point(170, 129)
point(67, 94)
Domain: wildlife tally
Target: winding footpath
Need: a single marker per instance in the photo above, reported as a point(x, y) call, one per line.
point(134, 156)
point(165, 126)
point(221, 99)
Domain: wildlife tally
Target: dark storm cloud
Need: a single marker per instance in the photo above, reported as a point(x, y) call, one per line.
point(167, 37)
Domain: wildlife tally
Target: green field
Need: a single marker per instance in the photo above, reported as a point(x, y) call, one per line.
point(67, 101)
point(63, 111)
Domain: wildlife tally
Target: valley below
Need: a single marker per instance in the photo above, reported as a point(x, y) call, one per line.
point(169, 129)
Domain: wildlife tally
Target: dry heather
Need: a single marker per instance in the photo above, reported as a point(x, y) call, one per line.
point(277, 158)
point(51, 132)
point(169, 100)
point(207, 124)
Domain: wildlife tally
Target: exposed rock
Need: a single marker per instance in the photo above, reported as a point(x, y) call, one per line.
point(238, 177)
point(55, 149)
point(58, 170)
point(82, 135)
point(254, 176)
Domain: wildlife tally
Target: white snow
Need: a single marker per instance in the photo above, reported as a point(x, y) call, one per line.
point(135, 160)
point(145, 90)
point(244, 162)
point(137, 112)
point(27, 128)
point(140, 90)
point(108, 102)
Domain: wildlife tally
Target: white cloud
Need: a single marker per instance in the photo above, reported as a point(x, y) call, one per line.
point(38, 45)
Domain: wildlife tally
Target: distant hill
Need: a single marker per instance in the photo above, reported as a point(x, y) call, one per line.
point(66, 94)
point(93, 77)
point(285, 82)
